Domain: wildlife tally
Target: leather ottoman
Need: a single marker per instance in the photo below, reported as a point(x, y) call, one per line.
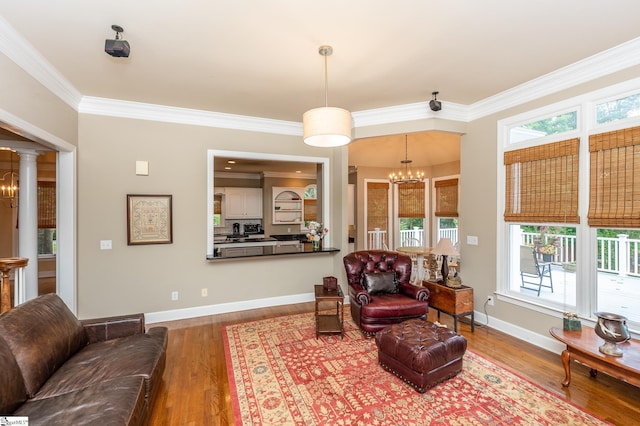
point(420, 353)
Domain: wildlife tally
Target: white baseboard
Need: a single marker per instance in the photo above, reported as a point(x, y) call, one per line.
point(542, 341)
point(200, 311)
point(545, 342)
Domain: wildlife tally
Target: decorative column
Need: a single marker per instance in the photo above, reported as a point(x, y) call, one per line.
point(6, 265)
point(28, 219)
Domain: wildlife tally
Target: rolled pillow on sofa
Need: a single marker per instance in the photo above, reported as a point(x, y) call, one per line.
point(380, 283)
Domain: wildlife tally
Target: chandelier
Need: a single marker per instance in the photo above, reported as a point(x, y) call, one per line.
point(9, 186)
point(326, 126)
point(406, 175)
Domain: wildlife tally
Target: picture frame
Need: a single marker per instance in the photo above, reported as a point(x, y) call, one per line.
point(149, 219)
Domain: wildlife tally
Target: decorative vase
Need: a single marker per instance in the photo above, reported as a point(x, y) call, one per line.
point(613, 329)
point(316, 245)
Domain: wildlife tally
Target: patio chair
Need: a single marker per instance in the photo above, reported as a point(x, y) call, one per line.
point(532, 271)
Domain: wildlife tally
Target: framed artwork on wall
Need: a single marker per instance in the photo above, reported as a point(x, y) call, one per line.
point(149, 219)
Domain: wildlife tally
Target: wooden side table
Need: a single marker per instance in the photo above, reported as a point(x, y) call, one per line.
point(329, 323)
point(582, 346)
point(457, 302)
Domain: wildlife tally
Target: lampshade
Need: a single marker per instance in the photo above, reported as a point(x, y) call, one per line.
point(326, 127)
point(445, 248)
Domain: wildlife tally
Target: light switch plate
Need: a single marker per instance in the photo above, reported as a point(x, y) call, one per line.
point(472, 240)
point(142, 168)
point(105, 245)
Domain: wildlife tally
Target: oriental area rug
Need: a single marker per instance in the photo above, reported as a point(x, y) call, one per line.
point(280, 374)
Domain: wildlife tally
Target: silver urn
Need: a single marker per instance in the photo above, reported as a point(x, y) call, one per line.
point(613, 329)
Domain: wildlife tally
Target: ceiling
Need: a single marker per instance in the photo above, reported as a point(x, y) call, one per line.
point(260, 58)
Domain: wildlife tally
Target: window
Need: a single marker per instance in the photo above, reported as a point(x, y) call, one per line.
point(377, 205)
point(572, 208)
point(618, 109)
point(217, 210)
point(412, 213)
point(554, 125)
point(541, 185)
point(46, 218)
point(618, 273)
point(446, 209)
point(310, 203)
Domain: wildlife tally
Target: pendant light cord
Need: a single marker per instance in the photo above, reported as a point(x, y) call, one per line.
point(326, 83)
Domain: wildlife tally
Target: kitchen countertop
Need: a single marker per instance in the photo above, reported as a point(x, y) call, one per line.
point(270, 251)
point(244, 240)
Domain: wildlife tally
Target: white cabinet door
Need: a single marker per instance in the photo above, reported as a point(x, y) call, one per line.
point(234, 203)
point(253, 203)
point(243, 203)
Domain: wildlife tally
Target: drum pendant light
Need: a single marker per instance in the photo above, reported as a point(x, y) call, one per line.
point(326, 126)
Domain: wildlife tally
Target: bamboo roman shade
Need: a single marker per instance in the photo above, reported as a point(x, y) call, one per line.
point(46, 204)
point(446, 198)
point(542, 183)
point(614, 183)
point(411, 200)
point(377, 205)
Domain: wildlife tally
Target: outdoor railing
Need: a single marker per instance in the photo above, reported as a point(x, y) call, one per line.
point(408, 237)
point(616, 255)
point(377, 239)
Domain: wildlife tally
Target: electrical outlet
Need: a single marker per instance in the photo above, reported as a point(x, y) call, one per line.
point(490, 300)
point(174, 295)
point(205, 292)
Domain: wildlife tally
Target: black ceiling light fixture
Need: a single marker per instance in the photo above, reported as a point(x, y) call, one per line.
point(434, 103)
point(118, 48)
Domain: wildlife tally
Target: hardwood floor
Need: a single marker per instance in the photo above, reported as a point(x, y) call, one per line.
point(196, 390)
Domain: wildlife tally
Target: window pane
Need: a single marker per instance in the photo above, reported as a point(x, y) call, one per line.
point(618, 110)
point(412, 231)
point(618, 273)
point(448, 228)
point(47, 241)
point(543, 264)
point(548, 126)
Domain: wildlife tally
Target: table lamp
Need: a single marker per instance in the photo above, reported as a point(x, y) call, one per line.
point(445, 248)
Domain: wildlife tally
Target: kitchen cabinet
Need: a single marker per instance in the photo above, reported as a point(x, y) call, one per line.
point(288, 205)
point(243, 203)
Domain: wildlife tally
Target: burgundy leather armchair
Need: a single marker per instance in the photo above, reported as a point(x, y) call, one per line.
point(373, 311)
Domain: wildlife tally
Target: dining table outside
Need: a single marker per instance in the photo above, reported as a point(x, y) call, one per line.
point(419, 252)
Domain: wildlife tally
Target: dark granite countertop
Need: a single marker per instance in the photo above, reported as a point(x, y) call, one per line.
point(222, 254)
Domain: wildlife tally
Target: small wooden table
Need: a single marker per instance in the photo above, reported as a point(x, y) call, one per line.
point(582, 346)
point(455, 301)
point(331, 323)
point(419, 252)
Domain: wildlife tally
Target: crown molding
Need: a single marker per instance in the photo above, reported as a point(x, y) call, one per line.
point(16, 48)
point(409, 112)
point(151, 112)
point(30, 131)
point(618, 58)
point(599, 65)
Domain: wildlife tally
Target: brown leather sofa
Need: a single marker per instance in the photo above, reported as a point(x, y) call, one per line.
point(374, 310)
point(58, 370)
